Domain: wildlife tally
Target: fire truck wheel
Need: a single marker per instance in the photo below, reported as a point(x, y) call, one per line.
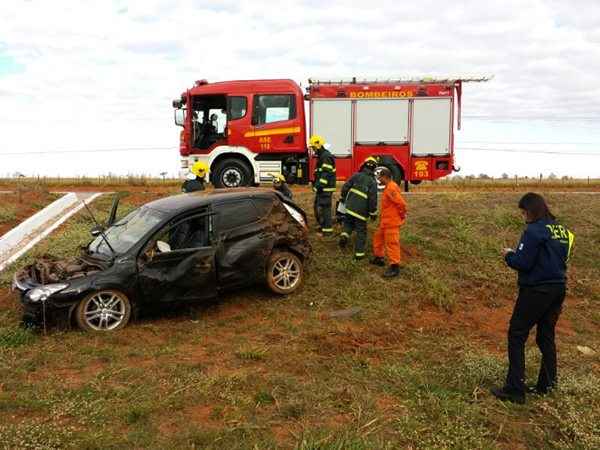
point(397, 173)
point(231, 173)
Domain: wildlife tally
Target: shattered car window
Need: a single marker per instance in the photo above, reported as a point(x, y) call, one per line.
point(128, 231)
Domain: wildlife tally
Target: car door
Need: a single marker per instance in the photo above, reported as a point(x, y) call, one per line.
point(178, 263)
point(244, 241)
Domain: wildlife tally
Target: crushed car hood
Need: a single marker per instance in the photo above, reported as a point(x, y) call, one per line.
point(48, 269)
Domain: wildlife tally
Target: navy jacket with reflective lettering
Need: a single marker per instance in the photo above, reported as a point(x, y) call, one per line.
point(542, 254)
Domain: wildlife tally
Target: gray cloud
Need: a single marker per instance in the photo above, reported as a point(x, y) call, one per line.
point(545, 54)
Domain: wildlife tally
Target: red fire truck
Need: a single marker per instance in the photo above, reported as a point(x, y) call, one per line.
point(247, 130)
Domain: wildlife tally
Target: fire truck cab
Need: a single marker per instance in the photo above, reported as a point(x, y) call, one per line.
point(244, 130)
point(248, 130)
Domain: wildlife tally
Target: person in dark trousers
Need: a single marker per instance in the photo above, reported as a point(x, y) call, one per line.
point(196, 183)
point(541, 261)
point(359, 195)
point(323, 185)
point(280, 185)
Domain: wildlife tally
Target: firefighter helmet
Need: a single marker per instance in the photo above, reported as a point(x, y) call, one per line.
point(278, 178)
point(371, 162)
point(316, 141)
point(199, 169)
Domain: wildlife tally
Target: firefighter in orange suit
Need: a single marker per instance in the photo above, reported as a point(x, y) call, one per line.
point(386, 239)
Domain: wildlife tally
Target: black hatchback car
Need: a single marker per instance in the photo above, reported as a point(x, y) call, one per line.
point(184, 248)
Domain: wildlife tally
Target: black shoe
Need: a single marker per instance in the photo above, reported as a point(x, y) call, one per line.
point(535, 390)
point(343, 241)
point(392, 271)
point(507, 396)
point(377, 261)
point(359, 257)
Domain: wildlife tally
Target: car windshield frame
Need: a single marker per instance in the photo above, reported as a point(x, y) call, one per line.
point(127, 232)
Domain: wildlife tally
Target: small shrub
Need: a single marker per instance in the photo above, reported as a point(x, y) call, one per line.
point(136, 415)
point(264, 398)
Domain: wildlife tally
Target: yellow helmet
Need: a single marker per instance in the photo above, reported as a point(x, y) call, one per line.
point(316, 141)
point(278, 178)
point(370, 162)
point(200, 169)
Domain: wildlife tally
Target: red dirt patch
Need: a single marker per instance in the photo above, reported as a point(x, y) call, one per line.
point(31, 202)
point(71, 377)
point(486, 325)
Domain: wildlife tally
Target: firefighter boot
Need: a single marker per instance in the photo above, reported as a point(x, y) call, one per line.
point(343, 242)
point(505, 395)
point(377, 261)
point(392, 271)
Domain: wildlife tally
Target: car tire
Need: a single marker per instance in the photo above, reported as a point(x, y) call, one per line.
point(104, 310)
point(285, 272)
point(232, 173)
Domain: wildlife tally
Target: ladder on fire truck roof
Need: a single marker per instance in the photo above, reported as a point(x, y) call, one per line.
point(357, 80)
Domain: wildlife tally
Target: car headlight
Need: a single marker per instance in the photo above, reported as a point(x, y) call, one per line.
point(17, 284)
point(296, 215)
point(43, 292)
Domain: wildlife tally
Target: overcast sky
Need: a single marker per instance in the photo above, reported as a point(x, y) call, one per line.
point(89, 75)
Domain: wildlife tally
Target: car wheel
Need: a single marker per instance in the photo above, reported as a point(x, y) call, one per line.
point(232, 173)
point(106, 310)
point(285, 272)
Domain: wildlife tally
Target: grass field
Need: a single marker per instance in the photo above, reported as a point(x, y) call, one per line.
point(411, 370)
point(142, 183)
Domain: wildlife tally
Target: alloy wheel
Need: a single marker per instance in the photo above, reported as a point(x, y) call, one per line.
point(104, 311)
point(286, 273)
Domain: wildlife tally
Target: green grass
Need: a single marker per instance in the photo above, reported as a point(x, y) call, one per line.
point(252, 370)
point(8, 213)
point(14, 337)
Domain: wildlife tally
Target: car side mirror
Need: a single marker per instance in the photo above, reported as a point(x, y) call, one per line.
point(163, 247)
point(96, 231)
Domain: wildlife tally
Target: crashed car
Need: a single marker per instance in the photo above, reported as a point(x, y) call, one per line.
point(184, 248)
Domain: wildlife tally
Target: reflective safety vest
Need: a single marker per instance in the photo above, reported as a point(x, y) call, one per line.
point(360, 195)
point(325, 172)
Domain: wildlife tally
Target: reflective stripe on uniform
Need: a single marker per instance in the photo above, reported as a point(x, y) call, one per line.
point(359, 193)
point(327, 166)
point(323, 180)
point(571, 240)
point(327, 230)
point(353, 214)
point(329, 190)
point(359, 254)
point(373, 213)
point(344, 234)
